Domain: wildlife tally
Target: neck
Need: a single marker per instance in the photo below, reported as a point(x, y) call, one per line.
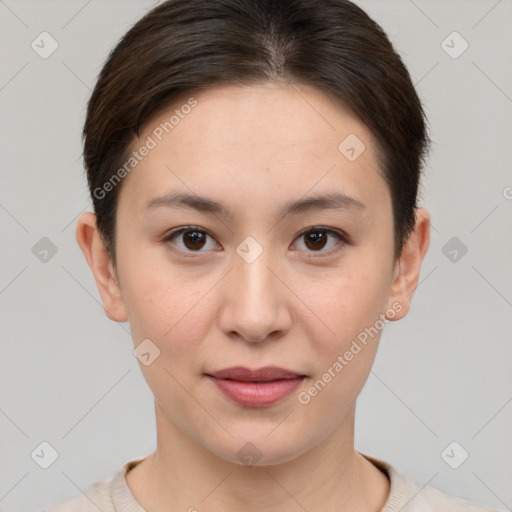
point(183, 475)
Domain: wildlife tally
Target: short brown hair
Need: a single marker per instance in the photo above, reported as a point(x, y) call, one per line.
point(182, 46)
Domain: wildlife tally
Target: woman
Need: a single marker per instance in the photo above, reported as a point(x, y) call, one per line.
point(254, 167)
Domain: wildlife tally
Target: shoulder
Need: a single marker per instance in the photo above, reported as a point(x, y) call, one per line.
point(409, 495)
point(96, 496)
point(425, 498)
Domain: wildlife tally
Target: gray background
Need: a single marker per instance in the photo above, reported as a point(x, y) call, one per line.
point(442, 374)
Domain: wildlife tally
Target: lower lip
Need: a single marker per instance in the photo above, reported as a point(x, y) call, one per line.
point(257, 394)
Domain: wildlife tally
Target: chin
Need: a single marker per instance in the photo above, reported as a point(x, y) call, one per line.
point(259, 450)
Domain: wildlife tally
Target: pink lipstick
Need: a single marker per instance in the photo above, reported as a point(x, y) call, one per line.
point(256, 388)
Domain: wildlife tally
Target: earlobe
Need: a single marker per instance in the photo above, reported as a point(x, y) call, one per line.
point(100, 263)
point(407, 270)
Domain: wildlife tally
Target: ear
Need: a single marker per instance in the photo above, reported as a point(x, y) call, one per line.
point(407, 268)
point(89, 240)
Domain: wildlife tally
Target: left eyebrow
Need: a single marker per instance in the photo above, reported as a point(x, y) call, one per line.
point(330, 201)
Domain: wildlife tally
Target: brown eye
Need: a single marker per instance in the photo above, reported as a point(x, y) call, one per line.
point(316, 239)
point(192, 239)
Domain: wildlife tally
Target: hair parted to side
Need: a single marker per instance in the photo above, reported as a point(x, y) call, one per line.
point(184, 46)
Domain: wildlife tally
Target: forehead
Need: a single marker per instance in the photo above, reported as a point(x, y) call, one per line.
point(278, 140)
point(276, 113)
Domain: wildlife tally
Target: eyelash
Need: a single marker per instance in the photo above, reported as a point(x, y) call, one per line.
point(342, 239)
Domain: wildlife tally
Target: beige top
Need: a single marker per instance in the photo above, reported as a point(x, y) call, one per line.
point(406, 495)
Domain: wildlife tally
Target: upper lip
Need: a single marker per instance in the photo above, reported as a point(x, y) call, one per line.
point(264, 374)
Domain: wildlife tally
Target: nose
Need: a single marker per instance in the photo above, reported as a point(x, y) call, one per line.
point(256, 302)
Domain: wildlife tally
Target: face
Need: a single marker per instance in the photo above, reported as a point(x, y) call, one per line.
point(247, 283)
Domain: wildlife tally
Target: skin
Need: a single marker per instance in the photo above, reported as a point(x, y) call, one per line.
point(297, 306)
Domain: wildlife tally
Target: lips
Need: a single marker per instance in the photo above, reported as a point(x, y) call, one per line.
point(256, 388)
point(264, 374)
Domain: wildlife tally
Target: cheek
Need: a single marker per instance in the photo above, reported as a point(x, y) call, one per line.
point(345, 358)
point(351, 305)
point(347, 303)
point(176, 320)
point(168, 308)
